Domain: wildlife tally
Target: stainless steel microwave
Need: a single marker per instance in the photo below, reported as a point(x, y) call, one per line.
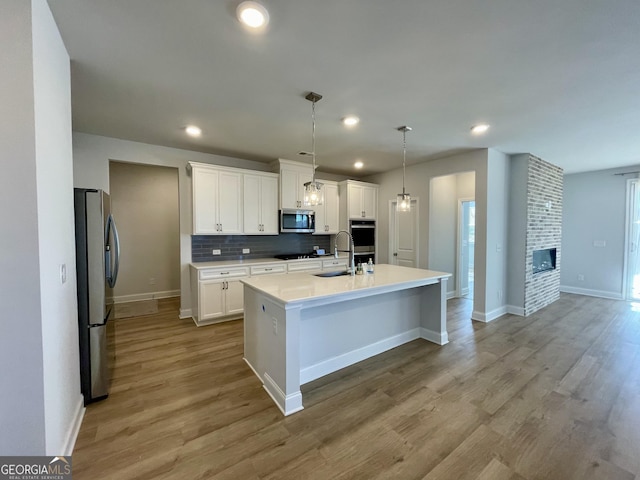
point(297, 221)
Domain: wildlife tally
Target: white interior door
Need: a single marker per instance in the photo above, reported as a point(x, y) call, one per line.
point(633, 240)
point(404, 236)
point(466, 247)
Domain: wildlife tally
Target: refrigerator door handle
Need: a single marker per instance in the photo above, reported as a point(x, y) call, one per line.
point(112, 274)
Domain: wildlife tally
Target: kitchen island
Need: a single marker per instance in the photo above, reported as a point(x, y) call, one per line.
point(300, 327)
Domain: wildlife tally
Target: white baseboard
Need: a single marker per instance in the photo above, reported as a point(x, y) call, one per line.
point(592, 293)
point(489, 316)
point(185, 313)
point(287, 404)
point(341, 361)
point(146, 296)
point(513, 310)
point(72, 434)
point(433, 336)
point(451, 295)
point(203, 323)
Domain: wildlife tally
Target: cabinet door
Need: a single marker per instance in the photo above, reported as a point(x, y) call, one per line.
point(211, 297)
point(354, 196)
point(289, 189)
point(205, 201)
point(269, 205)
point(303, 177)
point(369, 202)
point(230, 202)
point(331, 209)
point(234, 297)
point(251, 204)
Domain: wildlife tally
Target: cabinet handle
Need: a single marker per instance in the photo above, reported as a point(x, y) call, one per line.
point(268, 269)
point(224, 273)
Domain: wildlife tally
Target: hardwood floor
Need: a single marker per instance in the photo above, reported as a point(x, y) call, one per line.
point(552, 396)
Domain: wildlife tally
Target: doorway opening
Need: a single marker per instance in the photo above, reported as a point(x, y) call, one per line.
point(632, 242)
point(403, 233)
point(466, 246)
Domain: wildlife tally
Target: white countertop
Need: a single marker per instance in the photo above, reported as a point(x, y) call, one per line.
point(257, 261)
point(305, 287)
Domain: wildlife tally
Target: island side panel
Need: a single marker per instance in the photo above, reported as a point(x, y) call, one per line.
point(272, 349)
point(340, 334)
point(434, 313)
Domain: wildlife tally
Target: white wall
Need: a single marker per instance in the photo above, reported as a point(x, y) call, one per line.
point(40, 403)
point(594, 208)
point(418, 184)
point(56, 231)
point(22, 394)
point(144, 203)
point(497, 233)
point(91, 155)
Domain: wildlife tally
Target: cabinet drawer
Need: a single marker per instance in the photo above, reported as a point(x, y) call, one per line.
point(268, 269)
point(213, 273)
point(335, 264)
point(305, 266)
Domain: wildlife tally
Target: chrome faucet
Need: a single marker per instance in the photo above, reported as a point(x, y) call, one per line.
point(352, 251)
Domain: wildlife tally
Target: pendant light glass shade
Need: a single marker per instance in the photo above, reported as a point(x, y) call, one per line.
point(403, 201)
point(313, 191)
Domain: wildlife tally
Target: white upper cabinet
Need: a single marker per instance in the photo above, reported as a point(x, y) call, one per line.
point(217, 200)
point(261, 204)
point(359, 200)
point(328, 214)
point(293, 176)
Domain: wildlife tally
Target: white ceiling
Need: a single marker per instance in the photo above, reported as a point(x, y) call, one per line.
point(558, 79)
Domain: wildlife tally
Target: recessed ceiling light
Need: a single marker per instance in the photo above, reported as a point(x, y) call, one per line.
point(358, 164)
point(350, 120)
point(252, 14)
point(479, 129)
point(193, 131)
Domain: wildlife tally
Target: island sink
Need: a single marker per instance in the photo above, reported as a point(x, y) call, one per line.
point(331, 274)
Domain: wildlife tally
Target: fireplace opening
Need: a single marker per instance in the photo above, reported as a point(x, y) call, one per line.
point(544, 260)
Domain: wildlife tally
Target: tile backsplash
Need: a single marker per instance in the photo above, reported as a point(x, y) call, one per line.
point(261, 246)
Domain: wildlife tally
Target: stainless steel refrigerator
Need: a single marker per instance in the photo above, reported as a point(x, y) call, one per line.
point(97, 263)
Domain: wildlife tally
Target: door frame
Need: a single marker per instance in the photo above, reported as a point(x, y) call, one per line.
point(626, 287)
point(459, 231)
point(392, 229)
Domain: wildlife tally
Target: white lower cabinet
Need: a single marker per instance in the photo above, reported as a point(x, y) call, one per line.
point(217, 294)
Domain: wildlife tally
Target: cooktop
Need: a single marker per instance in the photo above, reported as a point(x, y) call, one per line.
point(294, 256)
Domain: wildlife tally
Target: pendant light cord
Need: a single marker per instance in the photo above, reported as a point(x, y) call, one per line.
point(404, 157)
point(313, 140)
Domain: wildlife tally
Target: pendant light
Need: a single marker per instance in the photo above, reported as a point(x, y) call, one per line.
point(403, 203)
point(313, 192)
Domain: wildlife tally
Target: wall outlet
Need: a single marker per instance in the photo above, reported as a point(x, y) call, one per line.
point(215, 251)
point(580, 277)
point(499, 294)
point(599, 243)
point(63, 273)
point(246, 250)
point(152, 281)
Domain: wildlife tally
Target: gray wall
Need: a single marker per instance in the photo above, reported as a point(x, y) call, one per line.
point(446, 191)
point(517, 232)
point(40, 403)
point(594, 209)
point(418, 183)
